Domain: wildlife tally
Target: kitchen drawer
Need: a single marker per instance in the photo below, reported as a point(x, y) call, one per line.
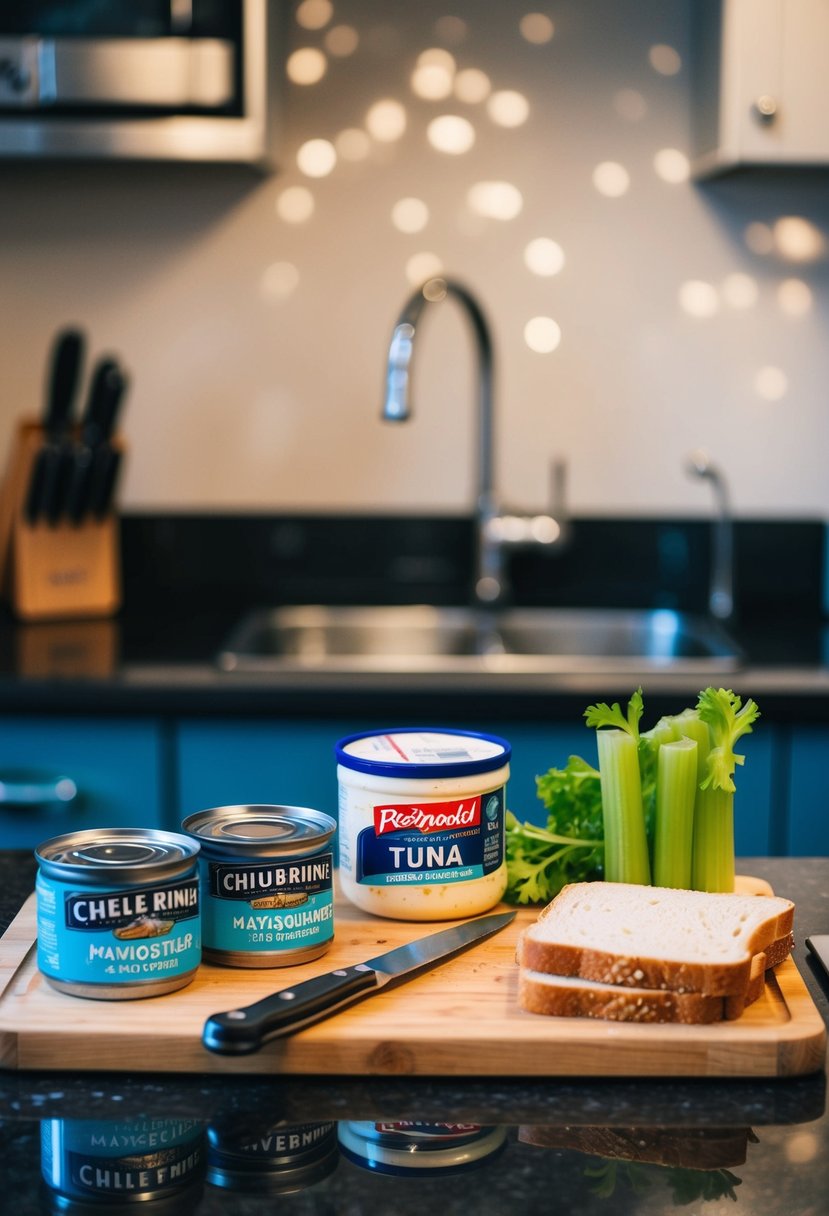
point(115, 766)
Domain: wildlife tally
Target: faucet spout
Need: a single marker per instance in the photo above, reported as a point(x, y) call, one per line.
point(494, 533)
point(397, 408)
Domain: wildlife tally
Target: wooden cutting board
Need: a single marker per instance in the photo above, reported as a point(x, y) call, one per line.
point(459, 1019)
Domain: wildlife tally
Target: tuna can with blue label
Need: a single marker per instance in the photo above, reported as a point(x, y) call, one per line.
point(422, 822)
point(118, 912)
point(267, 883)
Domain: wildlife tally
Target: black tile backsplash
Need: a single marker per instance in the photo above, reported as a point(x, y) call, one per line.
point(226, 561)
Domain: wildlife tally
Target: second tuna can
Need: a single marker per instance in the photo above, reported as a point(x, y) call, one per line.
point(266, 875)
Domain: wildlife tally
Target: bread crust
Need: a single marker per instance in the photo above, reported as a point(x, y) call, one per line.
point(613, 1003)
point(715, 979)
point(704, 1148)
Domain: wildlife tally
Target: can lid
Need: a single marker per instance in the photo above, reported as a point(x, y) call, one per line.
point(264, 830)
point(422, 751)
point(115, 854)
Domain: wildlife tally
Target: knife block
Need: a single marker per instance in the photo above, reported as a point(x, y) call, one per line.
point(53, 571)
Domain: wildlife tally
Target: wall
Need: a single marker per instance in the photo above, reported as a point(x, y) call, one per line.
point(256, 342)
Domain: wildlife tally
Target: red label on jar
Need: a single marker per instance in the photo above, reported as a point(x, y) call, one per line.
point(450, 816)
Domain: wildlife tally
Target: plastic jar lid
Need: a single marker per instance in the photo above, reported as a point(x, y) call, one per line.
point(440, 1150)
point(422, 751)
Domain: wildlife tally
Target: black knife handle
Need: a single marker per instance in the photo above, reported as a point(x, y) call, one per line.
point(67, 355)
point(38, 479)
point(108, 386)
point(242, 1031)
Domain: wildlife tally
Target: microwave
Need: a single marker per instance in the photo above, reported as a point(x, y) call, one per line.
point(185, 80)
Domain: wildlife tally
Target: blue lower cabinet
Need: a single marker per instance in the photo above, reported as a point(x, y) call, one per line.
point(258, 761)
point(807, 830)
point(755, 811)
point(58, 775)
point(250, 761)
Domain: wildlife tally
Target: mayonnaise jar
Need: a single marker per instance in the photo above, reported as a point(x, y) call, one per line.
point(421, 822)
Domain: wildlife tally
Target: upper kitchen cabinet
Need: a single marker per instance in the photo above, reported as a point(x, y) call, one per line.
point(761, 84)
point(140, 80)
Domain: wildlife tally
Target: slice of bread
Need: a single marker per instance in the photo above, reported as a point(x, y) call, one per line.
point(660, 938)
point(696, 1148)
point(570, 996)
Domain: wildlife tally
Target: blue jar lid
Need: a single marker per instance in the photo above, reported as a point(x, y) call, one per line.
point(423, 751)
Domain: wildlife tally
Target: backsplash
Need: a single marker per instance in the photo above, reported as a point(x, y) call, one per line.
point(537, 154)
point(218, 562)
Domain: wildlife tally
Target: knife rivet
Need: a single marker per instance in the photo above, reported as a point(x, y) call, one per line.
point(286, 996)
point(236, 1014)
point(362, 967)
point(339, 973)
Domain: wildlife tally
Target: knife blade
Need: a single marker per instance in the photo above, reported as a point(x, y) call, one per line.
point(51, 465)
point(97, 425)
point(242, 1031)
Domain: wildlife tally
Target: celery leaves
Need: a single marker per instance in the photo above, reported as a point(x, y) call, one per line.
point(728, 720)
point(611, 715)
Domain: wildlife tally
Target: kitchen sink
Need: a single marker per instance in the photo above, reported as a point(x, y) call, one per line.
point(423, 638)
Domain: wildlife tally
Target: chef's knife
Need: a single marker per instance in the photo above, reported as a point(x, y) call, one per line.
point(242, 1031)
point(47, 483)
point(97, 425)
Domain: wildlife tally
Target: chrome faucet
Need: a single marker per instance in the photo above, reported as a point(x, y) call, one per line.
point(494, 531)
point(721, 589)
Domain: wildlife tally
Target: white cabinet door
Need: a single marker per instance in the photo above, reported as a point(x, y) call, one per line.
point(761, 92)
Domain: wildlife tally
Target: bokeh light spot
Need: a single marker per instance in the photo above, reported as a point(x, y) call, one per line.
point(544, 257)
point(496, 200)
point(508, 108)
point(665, 60)
point(386, 120)
point(316, 158)
point(542, 334)
point(410, 215)
point(537, 28)
point(295, 205)
point(611, 179)
point(451, 134)
point(306, 66)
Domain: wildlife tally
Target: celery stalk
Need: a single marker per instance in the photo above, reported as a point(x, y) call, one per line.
point(626, 847)
point(676, 788)
point(713, 868)
point(727, 720)
point(689, 725)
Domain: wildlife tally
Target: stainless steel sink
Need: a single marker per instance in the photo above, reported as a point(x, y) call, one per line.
point(422, 638)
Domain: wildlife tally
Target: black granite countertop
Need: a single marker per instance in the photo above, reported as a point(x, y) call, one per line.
point(779, 1126)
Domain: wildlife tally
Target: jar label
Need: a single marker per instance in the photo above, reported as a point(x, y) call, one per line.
point(285, 904)
point(132, 935)
point(432, 842)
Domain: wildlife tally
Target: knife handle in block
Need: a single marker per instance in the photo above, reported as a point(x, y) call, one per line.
point(242, 1031)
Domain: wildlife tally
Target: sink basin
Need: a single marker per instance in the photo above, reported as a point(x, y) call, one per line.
point(424, 638)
